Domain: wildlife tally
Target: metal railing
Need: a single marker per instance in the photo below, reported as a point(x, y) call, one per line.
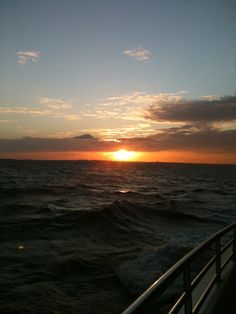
point(219, 261)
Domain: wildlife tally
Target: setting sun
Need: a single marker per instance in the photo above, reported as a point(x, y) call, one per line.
point(124, 155)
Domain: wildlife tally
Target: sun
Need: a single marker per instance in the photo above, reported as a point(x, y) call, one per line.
point(124, 155)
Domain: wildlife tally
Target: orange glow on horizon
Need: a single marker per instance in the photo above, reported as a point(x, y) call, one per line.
point(161, 156)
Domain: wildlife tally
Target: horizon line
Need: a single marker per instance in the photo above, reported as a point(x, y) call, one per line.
point(119, 161)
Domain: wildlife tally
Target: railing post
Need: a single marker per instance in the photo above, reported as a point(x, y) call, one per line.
point(218, 260)
point(187, 289)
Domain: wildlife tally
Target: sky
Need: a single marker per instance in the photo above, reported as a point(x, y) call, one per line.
point(82, 79)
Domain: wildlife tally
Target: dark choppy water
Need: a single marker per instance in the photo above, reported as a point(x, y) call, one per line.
point(89, 237)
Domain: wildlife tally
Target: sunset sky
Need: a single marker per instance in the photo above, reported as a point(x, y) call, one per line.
point(82, 79)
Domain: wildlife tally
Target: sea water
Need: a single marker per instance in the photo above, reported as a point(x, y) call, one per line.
point(91, 236)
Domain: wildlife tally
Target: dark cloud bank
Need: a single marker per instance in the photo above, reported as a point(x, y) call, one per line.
point(197, 133)
point(218, 110)
point(171, 139)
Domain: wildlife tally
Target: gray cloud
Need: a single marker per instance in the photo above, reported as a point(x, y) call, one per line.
point(185, 138)
point(85, 137)
point(32, 144)
point(206, 110)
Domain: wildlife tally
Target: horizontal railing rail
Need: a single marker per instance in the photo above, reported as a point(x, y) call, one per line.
point(183, 267)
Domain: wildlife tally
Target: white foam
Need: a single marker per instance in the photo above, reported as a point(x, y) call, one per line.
point(138, 273)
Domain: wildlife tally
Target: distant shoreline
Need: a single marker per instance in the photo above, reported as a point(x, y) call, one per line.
point(116, 161)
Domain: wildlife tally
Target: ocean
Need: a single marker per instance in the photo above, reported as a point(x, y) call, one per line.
point(91, 236)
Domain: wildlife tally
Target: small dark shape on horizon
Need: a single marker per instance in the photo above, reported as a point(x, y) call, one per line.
point(85, 137)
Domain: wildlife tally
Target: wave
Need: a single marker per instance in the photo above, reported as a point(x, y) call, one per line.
point(138, 273)
point(119, 216)
point(120, 211)
point(141, 271)
point(115, 223)
point(126, 210)
point(121, 228)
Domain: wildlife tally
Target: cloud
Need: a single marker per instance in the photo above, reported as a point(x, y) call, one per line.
point(202, 125)
point(139, 54)
point(117, 133)
point(85, 137)
point(33, 144)
point(25, 110)
point(59, 108)
point(166, 109)
point(25, 56)
point(128, 106)
point(141, 98)
point(7, 121)
point(54, 103)
point(53, 107)
point(203, 111)
point(210, 97)
point(185, 138)
point(62, 134)
point(39, 112)
point(71, 117)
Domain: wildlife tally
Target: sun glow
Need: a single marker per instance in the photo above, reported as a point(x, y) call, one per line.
point(124, 155)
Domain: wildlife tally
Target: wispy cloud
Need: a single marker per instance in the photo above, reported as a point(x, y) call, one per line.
point(71, 117)
point(139, 54)
point(210, 97)
point(142, 98)
point(54, 107)
point(59, 108)
point(54, 103)
point(201, 120)
point(24, 110)
point(7, 121)
point(25, 56)
point(128, 106)
point(62, 134)
point(117, 133)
